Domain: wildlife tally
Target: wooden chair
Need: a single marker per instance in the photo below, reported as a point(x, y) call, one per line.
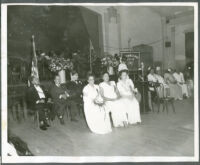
point(163, 97)
point(152, 96)
point(35, 117)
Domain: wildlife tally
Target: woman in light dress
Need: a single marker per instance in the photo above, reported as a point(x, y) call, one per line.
point(97, 119)
point(175, 90)
point(113, 104)
point(127, 93)
point(163, 89)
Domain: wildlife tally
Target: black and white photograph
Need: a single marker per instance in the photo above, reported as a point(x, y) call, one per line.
point(104, 82)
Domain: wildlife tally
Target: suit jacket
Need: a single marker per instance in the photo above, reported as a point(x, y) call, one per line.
point(33, 96)
point(75, 89)
point(56, 92)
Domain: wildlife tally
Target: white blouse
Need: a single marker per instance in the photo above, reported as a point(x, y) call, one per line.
point(152, 78)
point(109, 89)
point(90, 92)
point(179, 77)
point(125, 88)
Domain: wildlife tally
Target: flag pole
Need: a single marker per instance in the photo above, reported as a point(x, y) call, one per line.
point(33, 45)
point(91, 48)
point(90, 60)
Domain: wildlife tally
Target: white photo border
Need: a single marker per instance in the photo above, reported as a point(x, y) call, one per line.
point(84, 159)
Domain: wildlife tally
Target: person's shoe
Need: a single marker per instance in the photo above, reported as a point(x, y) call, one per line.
point(74, 120)
point(43, 127)
point(47, 125)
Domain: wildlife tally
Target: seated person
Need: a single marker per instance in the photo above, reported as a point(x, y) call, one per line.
point(189, 80)
point(163, 89)
point(37, 100)
point(61, 99)
point(75, 88)
point(153, 84)
point(181, 82)
point(175, 89)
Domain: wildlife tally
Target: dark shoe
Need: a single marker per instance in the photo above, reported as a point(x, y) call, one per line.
point(43, 127)
point(74, 120)
point(47, 125)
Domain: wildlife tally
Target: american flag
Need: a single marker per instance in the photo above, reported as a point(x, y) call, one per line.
point(34, 64)
point(91, 45)
point(91, 49)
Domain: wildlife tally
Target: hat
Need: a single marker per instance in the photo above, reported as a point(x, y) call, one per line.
point(157, 68)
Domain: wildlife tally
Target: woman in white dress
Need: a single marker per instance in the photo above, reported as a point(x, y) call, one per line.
point(127, 93)
point(97, 119)
point(113, 104)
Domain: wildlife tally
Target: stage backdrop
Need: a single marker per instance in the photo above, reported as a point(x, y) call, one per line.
point(57, 28)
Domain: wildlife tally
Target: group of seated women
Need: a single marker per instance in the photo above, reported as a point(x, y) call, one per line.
point(171, 84)
point(107, 98)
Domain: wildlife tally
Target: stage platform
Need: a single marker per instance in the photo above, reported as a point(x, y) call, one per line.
point(160, 134)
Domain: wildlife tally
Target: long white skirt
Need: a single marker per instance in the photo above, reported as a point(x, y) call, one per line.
point(184, 89)
point(97, 119)
point(117, 112)
point(132, 108)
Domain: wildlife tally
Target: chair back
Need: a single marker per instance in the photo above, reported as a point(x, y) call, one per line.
point(162, 92)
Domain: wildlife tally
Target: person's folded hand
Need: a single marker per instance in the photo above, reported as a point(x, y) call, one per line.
point(63, 96)
point(67, 94)
point(49, 100)
point(42, 101)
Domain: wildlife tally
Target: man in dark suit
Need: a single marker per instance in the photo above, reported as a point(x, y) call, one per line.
point(38, 100)
point(75, 88)
point(62, 99)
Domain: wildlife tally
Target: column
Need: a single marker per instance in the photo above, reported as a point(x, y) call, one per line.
point(112, 31)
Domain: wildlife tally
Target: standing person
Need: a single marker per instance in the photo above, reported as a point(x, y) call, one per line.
point(61, 99)
point(113, 104)
point(127, 93)
point(110, 69)
point(181, 82)
point(175, 90)
point(97, 119)
point(122, 65)
point(37, 100)
point(116, 63)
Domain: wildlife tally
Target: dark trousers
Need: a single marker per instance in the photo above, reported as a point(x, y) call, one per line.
point(73, 108)
point(62, 106)
point(41, 111)
point(45, 111)
point(59, 109)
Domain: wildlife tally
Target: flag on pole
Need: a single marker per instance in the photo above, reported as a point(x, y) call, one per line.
point(34, 63)
point(91, 45)
point(91, 48)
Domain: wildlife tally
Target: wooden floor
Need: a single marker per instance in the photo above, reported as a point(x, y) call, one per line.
point(159, 135)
